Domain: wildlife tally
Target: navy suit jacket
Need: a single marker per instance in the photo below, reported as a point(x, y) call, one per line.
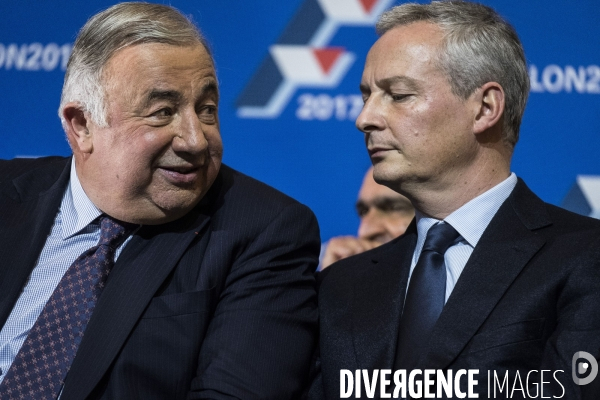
point(528, 299)
point(219, 304)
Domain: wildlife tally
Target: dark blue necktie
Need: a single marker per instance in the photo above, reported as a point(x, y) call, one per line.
point(40, 367)
point(425, 296)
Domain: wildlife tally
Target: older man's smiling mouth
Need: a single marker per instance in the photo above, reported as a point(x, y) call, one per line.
point(179, 174)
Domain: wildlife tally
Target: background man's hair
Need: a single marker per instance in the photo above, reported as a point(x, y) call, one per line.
point(479, 47)
point(109, 31)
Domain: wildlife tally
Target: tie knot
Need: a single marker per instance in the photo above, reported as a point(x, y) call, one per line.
point(440, 237)
point(113, 232)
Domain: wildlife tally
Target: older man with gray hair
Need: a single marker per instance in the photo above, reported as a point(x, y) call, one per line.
point(488, 279)
point(141, 267)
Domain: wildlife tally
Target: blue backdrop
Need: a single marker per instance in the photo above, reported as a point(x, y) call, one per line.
point(289, 73)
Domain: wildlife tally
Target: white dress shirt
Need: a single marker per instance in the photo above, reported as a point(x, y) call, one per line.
point(470, 221)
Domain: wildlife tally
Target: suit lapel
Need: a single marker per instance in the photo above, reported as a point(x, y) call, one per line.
point(29, 207)
point(505, 248)
point(378, 301)
point(137, 275)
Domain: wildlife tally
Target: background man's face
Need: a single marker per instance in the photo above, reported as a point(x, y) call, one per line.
point(384, 214)
point(162, 149)
point(416, 130)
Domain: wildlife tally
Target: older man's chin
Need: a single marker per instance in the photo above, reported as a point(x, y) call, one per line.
point(172, 200)
point(158, 210)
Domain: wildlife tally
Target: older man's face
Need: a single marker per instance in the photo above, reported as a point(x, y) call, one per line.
point(162, 149)
point(418, 133)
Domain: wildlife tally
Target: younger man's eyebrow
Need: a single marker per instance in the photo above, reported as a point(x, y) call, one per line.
point(364, 89)
point(410, 83)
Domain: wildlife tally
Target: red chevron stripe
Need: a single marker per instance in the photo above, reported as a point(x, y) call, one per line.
point(368, 5)
point(327, 57)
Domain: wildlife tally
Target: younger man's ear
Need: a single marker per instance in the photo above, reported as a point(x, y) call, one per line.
point(490, 100)
point(77, 127)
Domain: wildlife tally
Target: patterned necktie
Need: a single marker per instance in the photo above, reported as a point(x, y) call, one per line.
point(425, 297)
point(40, 367)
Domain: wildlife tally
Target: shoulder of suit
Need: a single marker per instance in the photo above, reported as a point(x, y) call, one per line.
point(355, 266)
point(569, 224)
point(238, 184)
point(11, 169)
point(247, 197)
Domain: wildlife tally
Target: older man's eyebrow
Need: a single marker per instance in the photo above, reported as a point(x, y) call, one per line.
point(210, 88)
point(172, 96)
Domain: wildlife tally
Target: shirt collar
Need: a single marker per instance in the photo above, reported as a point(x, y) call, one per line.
point(471, 220)
point(77, 209)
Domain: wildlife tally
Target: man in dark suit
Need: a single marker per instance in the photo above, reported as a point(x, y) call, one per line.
point(142, 268)
point(488, 277)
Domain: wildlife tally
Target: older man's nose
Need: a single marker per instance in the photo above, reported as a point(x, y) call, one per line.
point(190, 136)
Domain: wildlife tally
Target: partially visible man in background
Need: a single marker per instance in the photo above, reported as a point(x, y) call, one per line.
point(384, 215)
point(142, 268)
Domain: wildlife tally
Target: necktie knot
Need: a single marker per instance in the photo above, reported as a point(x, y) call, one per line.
point(113, 232)
point(440, 237)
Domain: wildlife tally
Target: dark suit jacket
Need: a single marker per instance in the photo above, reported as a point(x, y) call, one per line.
point(218, 304)
point(528, 299)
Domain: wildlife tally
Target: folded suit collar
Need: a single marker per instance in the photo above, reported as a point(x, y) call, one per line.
point(530, 209)
point(49, 176)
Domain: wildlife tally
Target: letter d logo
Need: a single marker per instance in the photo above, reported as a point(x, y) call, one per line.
point(582, 367)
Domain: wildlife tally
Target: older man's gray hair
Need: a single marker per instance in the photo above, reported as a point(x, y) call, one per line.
point(104, 34)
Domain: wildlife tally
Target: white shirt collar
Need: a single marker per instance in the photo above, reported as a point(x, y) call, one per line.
point(472, 218)
point(77, 209)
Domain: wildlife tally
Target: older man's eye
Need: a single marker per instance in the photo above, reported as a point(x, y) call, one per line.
point(208, 114)
point(208, 110)
point(163, 113)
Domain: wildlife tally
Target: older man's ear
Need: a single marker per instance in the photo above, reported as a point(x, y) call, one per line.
point(77, 124)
